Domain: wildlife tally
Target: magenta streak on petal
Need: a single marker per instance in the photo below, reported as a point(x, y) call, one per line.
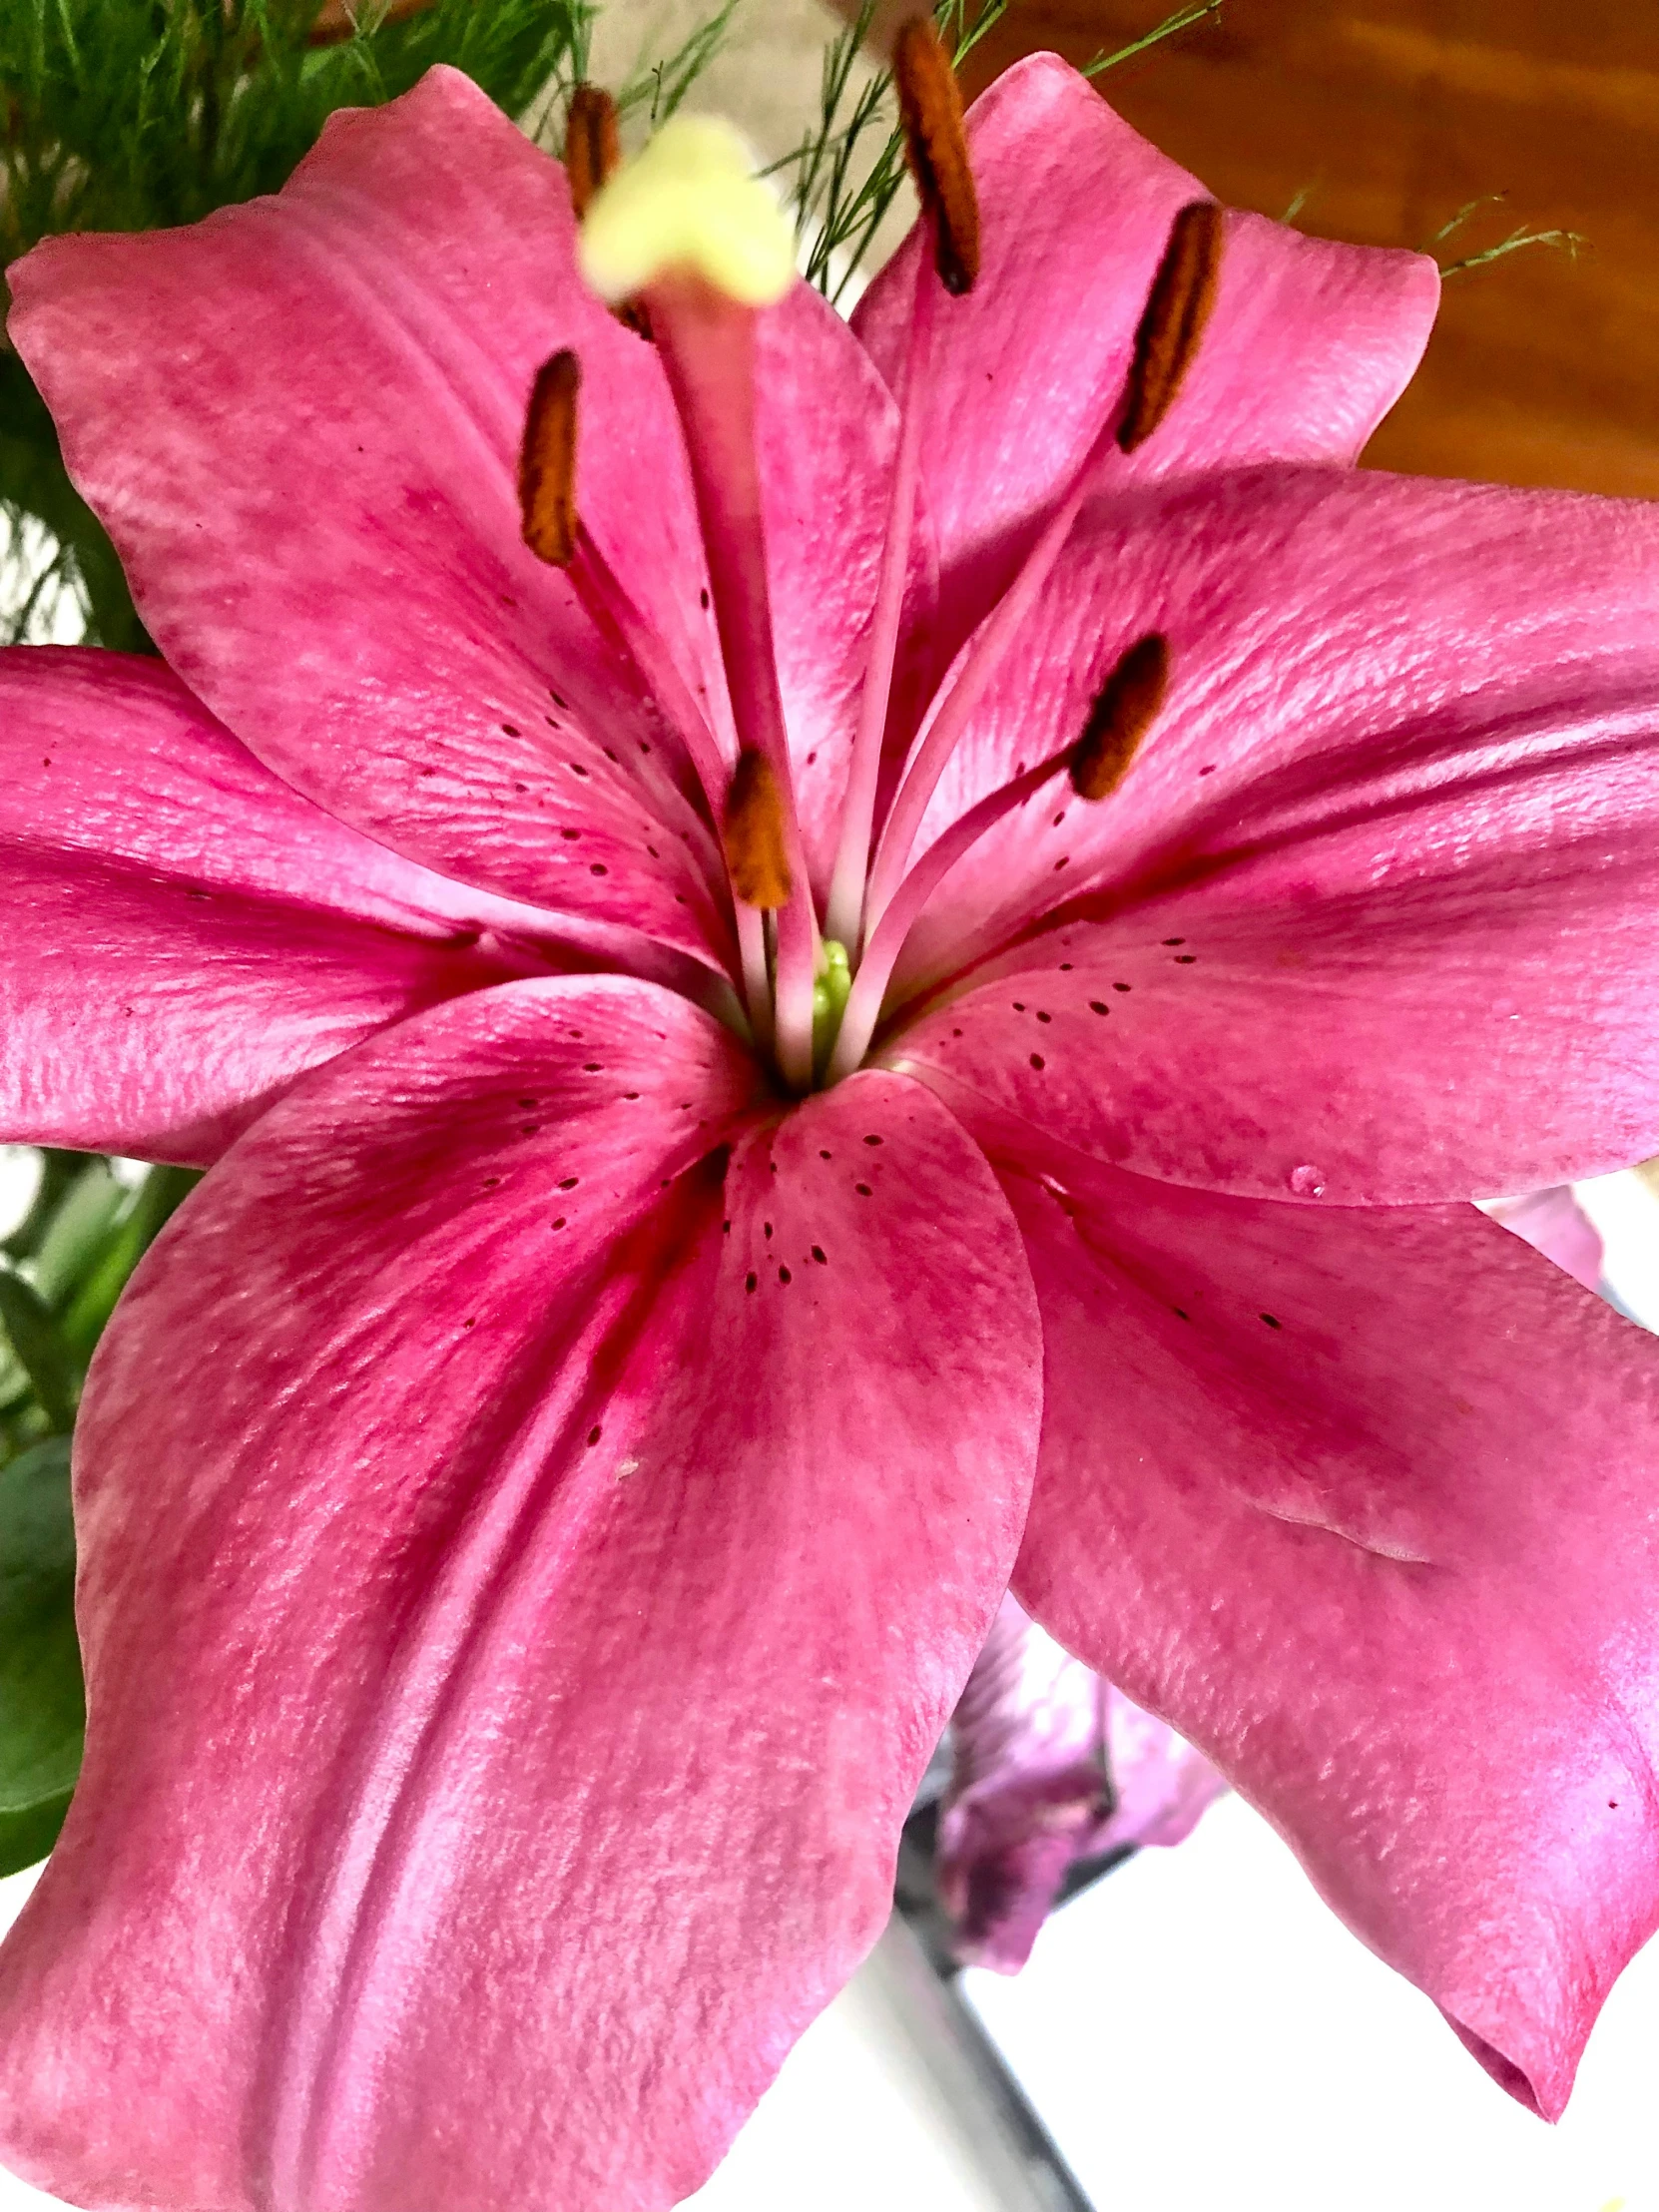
point(843, 917)
point(953, 710)
point(708, 347)
point(863, 1004)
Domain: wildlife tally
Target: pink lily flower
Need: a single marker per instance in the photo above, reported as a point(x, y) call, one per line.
point(542, 1497)
point(1052, 1766)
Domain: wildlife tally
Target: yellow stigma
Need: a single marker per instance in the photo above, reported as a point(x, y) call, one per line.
point(689, 202)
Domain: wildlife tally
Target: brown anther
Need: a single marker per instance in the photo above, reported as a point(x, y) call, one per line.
point(930, 110)
point(1120, 718)
point(547, 461)
point(593, 148)
point(751, 830)
point(1172, 324)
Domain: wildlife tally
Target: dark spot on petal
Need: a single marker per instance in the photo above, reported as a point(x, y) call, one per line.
point(1171, 940)
point(1181, 1312)
point(751, 1280)
point(530, 1128)
point(593, 1435)
point(651, 849)
point(1065, 967)
point(576, 769)
point(1038, 1063)
point(767, 1227)
point(491, 1182)
point(1186, 959)
point(703, 597)
point(1018, 1005)
point(1120, 986)
point(1210, 771)
point(955, 1032)
point(872, 1140)
point(1063, 862)
point(591, 1067)
point(1273, 1321)
point(824, 1155)
point(1041, 1017)
point(470, 1323)
point(521, 787)
point(818, 1254)
point(725, 1228)
point(1058, 818)
point(570, 835)
point(598, 868)
point(570, 1181)
point(1098, 1006)
point(559, 1220)
point(783, 1275)
point(509, 729)
point(863, 1190)
point(630, 1094)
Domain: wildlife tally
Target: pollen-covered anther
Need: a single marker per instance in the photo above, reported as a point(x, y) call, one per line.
point(931, 110)
point(547, 461)
point(1172, 324)
point(1125, 710)
point(751, 830)
point(593, 145)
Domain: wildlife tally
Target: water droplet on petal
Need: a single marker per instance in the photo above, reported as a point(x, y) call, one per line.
point(1307, 1182)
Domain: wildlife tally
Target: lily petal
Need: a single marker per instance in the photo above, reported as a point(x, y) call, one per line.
point(502, 1711)
point(1309, 346)
point(1374, 910)
point(186, 933)
point(1361, 1503)
point(299, 422)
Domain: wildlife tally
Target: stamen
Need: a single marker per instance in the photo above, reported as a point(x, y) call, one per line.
point(930, 110)
point(1120, 718)
point(1097, 762)
point(547, 461)
point(555, 533)
point(593, 147)
point(1178, 306)
point(863, 1005)
point(751, 829)
point(844, 916)
point(1172, 324)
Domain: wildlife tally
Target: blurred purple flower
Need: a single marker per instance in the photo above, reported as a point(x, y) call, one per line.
point(1554, 1223)
point(1052, 1766)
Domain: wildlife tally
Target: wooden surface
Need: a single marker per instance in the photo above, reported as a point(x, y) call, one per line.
point(1393, 114)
